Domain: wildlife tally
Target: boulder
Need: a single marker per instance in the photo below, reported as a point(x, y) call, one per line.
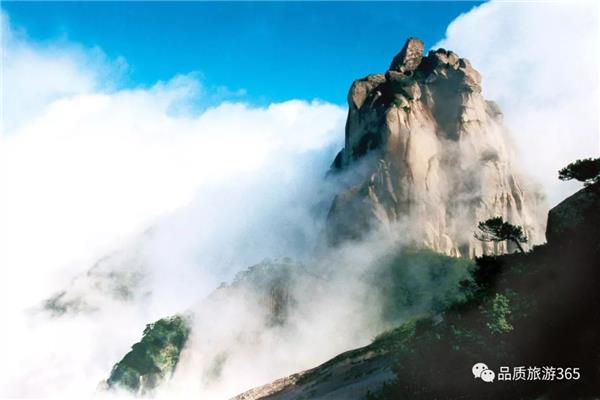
point(409, 57)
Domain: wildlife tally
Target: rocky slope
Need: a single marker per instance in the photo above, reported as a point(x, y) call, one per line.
point(264, 288)
point(537, 309)
point(351, 375)
point(292, 307)
point(426, 154)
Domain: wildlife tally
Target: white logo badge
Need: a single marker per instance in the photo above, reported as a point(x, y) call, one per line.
point(480, 370)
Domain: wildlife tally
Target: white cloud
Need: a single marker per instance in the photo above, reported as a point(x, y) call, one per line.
point(47, 72)
point(94, 168)
point(85, 166)
point(89, 167)
point(540, 62)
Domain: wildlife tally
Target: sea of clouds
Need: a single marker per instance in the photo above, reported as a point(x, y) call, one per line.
point(194, 194)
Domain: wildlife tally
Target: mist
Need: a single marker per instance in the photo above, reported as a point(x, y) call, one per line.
point(548, 104)
point(122, 206)
point(126, 205)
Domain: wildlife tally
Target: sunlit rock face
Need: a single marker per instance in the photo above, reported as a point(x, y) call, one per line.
point(426, 157)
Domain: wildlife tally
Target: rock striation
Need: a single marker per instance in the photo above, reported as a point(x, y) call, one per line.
point(426, 157)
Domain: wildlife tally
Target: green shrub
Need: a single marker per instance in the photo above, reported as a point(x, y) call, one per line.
point(154, 357)
point(420, 282)
point(498, 314)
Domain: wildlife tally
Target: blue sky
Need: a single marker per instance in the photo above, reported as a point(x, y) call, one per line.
point(274, 51)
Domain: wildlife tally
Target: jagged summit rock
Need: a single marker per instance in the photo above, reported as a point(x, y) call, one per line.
point(409, 57)
point(434, 158)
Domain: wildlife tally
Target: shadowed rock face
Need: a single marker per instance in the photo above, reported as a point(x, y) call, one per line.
point(409, 57)
point(426, 157)
point(565, 221)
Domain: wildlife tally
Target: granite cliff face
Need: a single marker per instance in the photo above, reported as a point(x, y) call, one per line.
point(428, 155)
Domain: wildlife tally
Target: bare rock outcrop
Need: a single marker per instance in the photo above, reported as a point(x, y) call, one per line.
point(409, 57)
point(426, 157)
point(567, 220)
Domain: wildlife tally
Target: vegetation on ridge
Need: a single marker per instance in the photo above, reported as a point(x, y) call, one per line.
point(586, 171)
point(412, 282)
point(540, 309)
point(153, 358)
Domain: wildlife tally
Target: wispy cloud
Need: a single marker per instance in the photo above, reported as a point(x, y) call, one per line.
point(87, 165)
point(540, 62)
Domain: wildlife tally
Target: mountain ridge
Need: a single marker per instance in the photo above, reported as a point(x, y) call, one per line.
point(427, 154)
point(426, 158)
point(430, 357)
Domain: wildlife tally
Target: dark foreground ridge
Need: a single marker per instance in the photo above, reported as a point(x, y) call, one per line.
point(541, 309)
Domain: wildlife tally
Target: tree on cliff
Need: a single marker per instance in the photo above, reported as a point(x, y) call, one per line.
point(496, 230)
point(586, 171)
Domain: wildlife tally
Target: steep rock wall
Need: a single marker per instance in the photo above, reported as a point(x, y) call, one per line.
point(428, 157)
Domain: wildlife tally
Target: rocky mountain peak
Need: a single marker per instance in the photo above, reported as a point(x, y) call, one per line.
point(409, 57)
point(435, 158)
